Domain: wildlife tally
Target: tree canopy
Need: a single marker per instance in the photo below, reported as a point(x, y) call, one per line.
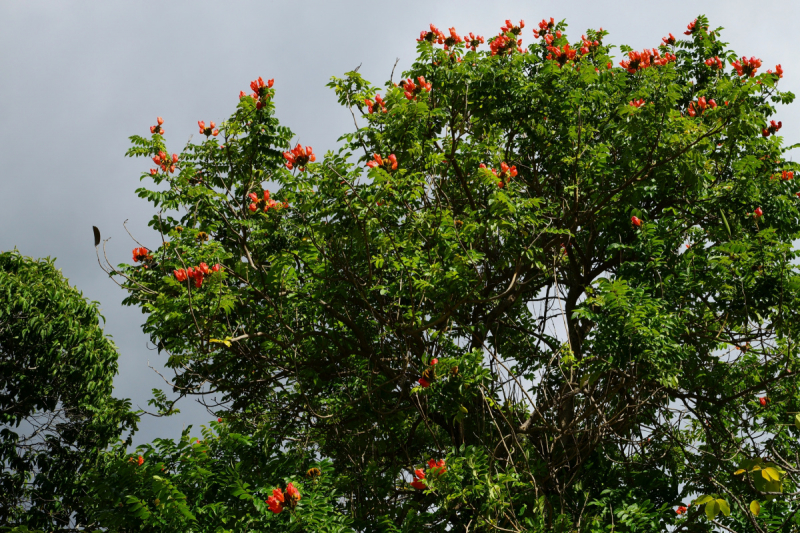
point(537, 288)
point(56, 410)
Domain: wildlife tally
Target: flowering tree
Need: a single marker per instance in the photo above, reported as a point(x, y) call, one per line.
point(537, 288)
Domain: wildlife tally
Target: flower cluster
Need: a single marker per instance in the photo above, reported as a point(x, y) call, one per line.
point(668, 41)
point(163, 160)
point(505, 175)
point(681, 510)
point(550, 37)
point(197, 273)
point(509, 27)
point(507, 40)
point(157, 128)
point(637, 103)
point(644, 59)
point(587, 45)
point(429, 374)
point(544, 28)
point(379, 102)
point(503, 44)
point(390, 163)
point(772, 129)
point(412, 90)
point(692, 28)
point(778, 71)
point(210, 130)
point(747, 67)
point(299, 157)
point(267, 202)
point(758, 213)
point(437, 468)
point(702, 104)
point(260, 91)
point(714, 62)
point(278, 499)
point(785, 175)
point(141, 255)
point(473, 41)
point(636, 221)
point(562, 55)
point(435, 35)
point(453, 39)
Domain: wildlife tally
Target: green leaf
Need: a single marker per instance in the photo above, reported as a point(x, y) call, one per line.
point(712, 509)
point(723, 505)
point(702, 499)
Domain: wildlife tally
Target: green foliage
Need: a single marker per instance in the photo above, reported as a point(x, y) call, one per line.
point(219, 484)
point(56, 409)
point(573, 286)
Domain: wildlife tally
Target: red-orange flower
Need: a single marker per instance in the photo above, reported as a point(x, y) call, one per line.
point(274, 505)
point(210, 130)
point(299, 157)
point(747, 67)
point(412, 89)
point(379, 102)
point(157, 128)
point(140, 255)
point(437, 467)
point(390, 163)
point(418, 484)
point(293, 493)
point(260, 91)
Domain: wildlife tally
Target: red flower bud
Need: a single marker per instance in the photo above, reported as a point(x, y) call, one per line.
point(159, 120)
point(758, 212)
point(635, 221)
point(253, 207)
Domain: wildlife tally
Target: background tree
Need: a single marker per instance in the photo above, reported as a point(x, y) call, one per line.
point(56, 409)
point(571, 282)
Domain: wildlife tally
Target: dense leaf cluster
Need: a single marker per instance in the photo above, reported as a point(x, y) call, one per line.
point(56, 410)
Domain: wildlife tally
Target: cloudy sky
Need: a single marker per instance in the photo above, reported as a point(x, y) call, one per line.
point(79, 77)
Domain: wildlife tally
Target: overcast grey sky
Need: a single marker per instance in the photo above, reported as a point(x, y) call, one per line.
point(79, 77)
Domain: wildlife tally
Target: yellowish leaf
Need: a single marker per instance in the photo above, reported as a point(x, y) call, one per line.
point(712, 509)
point(723, 506)
point(755, 507)
point(771, 474)
point(702, 499)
